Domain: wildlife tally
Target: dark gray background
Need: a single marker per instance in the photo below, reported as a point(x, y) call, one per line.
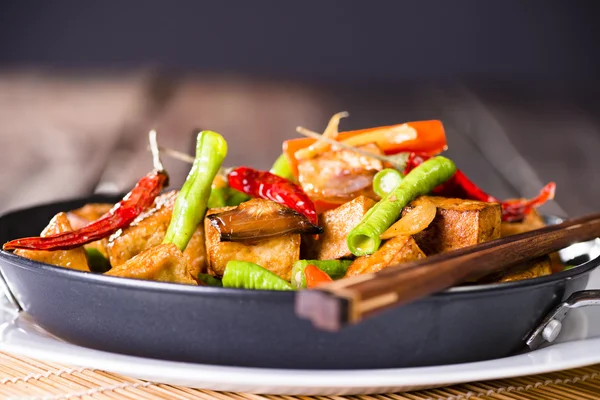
point(372, 41)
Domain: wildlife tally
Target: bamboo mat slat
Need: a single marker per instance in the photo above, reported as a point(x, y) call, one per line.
point(26, 378)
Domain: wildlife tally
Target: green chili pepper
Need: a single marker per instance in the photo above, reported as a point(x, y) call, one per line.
point(247, 275)
point(282, 168)
point(210, 280)
point(386, 180)
point(96, 260)
point(364, 238)
point(336, 269)
point(192, 199)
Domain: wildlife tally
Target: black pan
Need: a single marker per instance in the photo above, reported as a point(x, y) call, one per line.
point(259, 328)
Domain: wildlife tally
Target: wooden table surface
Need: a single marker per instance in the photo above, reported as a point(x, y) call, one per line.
point(61, 134)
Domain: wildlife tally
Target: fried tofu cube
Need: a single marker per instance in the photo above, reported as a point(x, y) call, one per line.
point(336, 224)
point(458, 223)
point(149, 230)
point(532, 269)
point(398, 250)
point(165, 263)
point(87, 214)
point(532, 221)
point(276, 254)
point(74, 258)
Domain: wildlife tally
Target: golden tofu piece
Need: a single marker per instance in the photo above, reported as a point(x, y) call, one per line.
point(87, 214)
point(149, 230)
point(458, 223)
point(539, 267)
point(336, 224)
point(276, 254)
point(398, 250)
point(532, 221)
point(74, 258)
point(163, 263)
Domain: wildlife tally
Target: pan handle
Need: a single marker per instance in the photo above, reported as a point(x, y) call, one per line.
point(550, 327)
point(9, 294)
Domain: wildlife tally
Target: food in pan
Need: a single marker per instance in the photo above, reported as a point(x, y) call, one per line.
point(333, 205)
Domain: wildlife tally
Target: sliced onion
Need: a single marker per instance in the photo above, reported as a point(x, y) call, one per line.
point(339, 176)
point(260, 219)
point(415, 221)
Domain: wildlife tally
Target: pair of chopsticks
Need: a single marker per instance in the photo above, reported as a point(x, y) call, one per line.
point(351, 299)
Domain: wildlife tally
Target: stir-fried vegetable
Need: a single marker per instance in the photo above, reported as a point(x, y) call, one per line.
point(427, 137)
point(265, 185)
point(461, 186)
point(235, 197)
point(96, 260)
point(218, 192)
point(386, 180)
point(331, 132)
point(339, 176)
point(210, 280)
point(221, 195)
point(417, 220)
point(120, 216)
point(258, 220)
point(247, 275)
point(315, 276)
point(275, 216)
point(365, 238)
point(282, 168)
point(191, 202)
point(336, 269)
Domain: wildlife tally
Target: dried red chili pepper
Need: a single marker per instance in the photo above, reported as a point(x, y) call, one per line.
point(272, 187)
point(461, 186)
point(120, 216)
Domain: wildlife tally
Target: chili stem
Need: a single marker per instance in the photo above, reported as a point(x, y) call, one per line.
point(158, 166)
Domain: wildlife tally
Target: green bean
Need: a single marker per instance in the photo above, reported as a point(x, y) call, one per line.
point(282, 168)
point(192, 199)
point(364, 238)
point(336, 269)
point(247, 275)
point(210, 280)
point(96, 260)
point(386, 180)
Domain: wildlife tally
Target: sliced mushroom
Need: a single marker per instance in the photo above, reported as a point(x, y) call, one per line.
point(259, 219)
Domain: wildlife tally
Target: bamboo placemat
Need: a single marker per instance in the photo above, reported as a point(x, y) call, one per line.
point(26, 378)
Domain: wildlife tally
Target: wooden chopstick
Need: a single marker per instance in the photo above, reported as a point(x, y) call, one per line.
point(349, 300)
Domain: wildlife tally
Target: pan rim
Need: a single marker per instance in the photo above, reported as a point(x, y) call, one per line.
point(176, 288)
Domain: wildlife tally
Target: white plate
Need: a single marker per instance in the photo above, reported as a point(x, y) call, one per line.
point(577, 346)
